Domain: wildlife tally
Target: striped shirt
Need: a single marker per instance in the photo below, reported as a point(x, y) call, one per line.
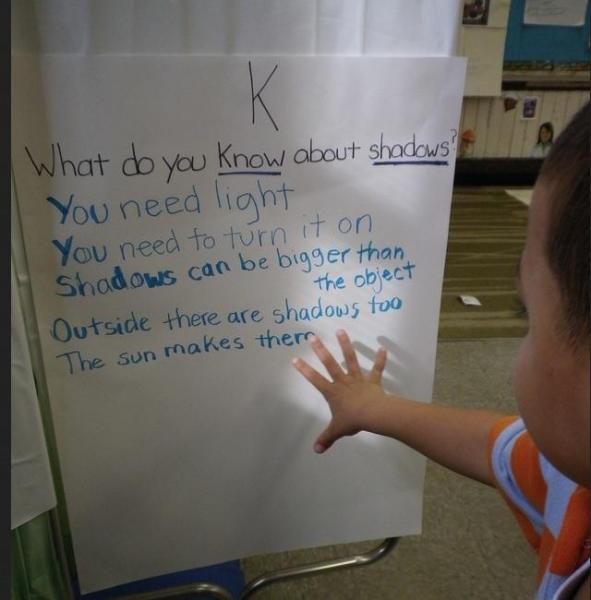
point(553, 511)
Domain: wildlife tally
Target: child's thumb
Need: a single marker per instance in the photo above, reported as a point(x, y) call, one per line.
point(325, 440)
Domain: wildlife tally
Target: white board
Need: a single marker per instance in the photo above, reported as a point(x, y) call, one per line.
point(208, 453)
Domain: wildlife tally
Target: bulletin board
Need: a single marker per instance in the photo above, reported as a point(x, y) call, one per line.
point(541, 43)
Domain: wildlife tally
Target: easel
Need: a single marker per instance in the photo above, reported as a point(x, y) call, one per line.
point(105, 30)
point(251, 588)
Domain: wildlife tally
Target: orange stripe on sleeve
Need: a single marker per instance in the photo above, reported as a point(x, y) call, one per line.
point(524, 523)
point(575, 528)
point(546, 548)
point(525, 464)
point(528, 530)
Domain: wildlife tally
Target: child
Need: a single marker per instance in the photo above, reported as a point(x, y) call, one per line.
point(541, 460)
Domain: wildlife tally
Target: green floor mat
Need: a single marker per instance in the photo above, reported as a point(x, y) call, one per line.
point(486, 238)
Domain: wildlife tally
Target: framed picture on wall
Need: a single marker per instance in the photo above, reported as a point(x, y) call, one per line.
point(529, 109)
point(475, 12)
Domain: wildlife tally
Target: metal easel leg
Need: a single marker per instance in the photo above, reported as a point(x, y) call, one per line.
point(321, 567)
point(220, 593)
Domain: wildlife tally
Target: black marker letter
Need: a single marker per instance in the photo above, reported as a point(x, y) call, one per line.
point(257, 96)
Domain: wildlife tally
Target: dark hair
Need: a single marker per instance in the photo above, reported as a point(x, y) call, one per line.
point(547, 125)
point(566, 172)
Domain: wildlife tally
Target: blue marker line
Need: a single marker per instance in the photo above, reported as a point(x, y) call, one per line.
point(249, 173)
point(410, 162)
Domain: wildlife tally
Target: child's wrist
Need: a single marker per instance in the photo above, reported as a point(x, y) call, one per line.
point(372, 412)
point(387, 415)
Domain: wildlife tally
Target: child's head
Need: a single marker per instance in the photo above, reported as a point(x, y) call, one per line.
point(551, 378)
point(546, 133)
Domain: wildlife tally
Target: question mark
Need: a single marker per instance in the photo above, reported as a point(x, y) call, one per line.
point(455, 134)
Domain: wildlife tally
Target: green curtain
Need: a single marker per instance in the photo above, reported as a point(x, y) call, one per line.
point(35, 571)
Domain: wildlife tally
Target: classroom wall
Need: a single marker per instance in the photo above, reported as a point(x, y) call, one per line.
point(501, 134)
point(484, 46)
point(564, 51)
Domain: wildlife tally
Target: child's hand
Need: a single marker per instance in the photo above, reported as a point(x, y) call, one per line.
point(348, 394)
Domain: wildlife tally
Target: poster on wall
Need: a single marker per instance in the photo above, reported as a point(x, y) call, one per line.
point(529, 108)
point(190, 222)
point(564, 13)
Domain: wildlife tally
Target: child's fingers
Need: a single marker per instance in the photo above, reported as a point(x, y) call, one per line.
point(379, 364)
point(327, 359)
point(312, 375)
point(349, 353)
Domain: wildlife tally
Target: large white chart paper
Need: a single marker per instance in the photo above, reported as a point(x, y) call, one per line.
point(189, 222)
